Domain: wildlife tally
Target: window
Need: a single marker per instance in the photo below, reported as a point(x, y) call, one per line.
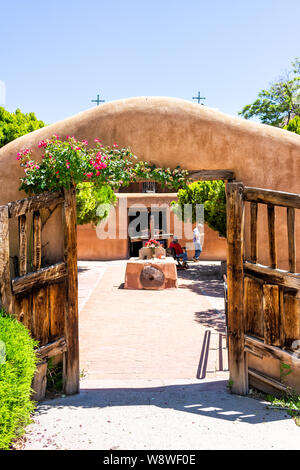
point(148, 187)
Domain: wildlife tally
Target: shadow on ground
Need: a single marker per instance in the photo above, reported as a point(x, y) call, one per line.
point(210, 399)
point(212, 318)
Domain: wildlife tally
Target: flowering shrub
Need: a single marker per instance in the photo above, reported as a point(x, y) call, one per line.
point(72, 163)
point(64, 164)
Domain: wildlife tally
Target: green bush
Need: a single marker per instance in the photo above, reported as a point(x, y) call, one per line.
point(93, 203)
point(13, 125)
point(16, 374)
point(212, 195)
point(294, 125)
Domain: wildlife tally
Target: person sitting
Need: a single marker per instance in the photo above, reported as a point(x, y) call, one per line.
point(179, 251)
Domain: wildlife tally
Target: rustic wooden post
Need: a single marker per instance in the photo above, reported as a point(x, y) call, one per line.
point(71, 379)
point(22, 245)
point(291, 238)
point(253, 228)
point(37, 240)
point(235, 281)
point(272, 236)
point(6, 297)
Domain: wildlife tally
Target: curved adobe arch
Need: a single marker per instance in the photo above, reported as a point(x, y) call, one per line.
point(170, 132)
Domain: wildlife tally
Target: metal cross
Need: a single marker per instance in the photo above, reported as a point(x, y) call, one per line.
point(98, 101)
point(199, 98)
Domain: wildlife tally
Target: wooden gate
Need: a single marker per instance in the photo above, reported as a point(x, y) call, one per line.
point(43, 297)
point(263, 301)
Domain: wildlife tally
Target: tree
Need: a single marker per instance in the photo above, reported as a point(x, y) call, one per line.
point(280, 103)
point(212, 195)
point(13, 125)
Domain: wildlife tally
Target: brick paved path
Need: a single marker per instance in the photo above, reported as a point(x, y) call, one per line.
point(168, 334)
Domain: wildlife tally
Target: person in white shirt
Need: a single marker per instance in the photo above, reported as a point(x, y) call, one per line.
point(197, 241)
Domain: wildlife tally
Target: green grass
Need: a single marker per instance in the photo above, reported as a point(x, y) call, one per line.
point(290, 403)
point(16, 374)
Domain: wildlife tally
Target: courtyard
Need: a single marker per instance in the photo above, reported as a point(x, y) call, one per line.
point(154, 372)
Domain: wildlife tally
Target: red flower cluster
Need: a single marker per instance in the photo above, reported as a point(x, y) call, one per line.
point(152, 243)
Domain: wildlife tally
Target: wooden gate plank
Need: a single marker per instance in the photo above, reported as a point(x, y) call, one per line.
point(71, 379)
point(40, 314)
point(235, 281)
point(57, 308)
point(271, 315)
point(253, 307)
point(291, 319)
point(6, 297)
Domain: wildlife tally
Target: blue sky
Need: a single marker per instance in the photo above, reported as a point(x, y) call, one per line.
point(55, 56)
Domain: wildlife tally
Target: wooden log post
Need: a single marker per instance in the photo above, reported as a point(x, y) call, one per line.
point(253, 228)
point(22, 245)
point(235, 282)
point(272, 236)
point(37, 240)
point(291, 238)
point(71, 369)
point(6, 298)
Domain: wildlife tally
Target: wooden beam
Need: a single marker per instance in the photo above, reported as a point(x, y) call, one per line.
point(235, 282)
point(275, 276)
point(6, 297)
point(209, 175)
point(34, 203)
point(253, 228)
point(54, 348)
point(71, 378)
point(22, 245)
point(267, 350)
point(291, 238)
point(277, 198)
point(37, 240)
point(42, 276)
point(268, 380)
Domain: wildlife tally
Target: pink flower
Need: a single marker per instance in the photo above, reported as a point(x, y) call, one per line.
point(57, 136)
point(42, 143)
point(98, 173)
point(89, 175)
point(97, 140)
point(26, 151)
point(115, 144)
point(85, 142)
point(77, 148)
point(68, 164)
point(19, 155)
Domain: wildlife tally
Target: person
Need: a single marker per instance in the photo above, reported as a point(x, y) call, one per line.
point(197, 241)
point(178, 249)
